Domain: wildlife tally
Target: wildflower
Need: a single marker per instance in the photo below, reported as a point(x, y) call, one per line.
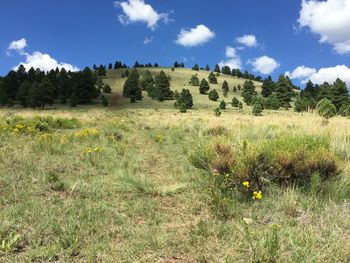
point(246, 184)
point(257, 195)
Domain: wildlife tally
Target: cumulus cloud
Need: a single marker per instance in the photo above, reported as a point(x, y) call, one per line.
point(37, 59)
point(232, 60)
point(138, 11)
point(301, 72)
point(264, 64)
point(247, 40)
point(148, 40)
point(321, 75)
point(195, 36)
point(18, 45)
point(330, 20)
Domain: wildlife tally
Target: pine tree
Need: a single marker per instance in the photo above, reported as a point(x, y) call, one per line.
point(207, 68)
point(194, 81)
point(110, 66)
point(225, 88)
point(248, 91)
point(46, 93)
point(195, 67)
point(132, 86)
point(212, 78)
point(162, 87)
point(226, 70)
point(23, 92)
point(64, 86)
point(147, 81)
point(309, 91)
point(217, 68)
point(268, 87)
point(235, 102)
point(185, 98)
point(222, 105)
point(339, 93)
point(204, 87)
point(272, 103)
point(176, 64)
point(284, 91)
point(213, 95)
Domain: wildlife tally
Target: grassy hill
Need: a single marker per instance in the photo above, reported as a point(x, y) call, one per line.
point(180, 78)
point(120, 184)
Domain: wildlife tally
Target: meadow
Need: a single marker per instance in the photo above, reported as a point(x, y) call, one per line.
point(119, 184)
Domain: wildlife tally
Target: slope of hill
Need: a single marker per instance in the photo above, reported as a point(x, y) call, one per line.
point(180, 78)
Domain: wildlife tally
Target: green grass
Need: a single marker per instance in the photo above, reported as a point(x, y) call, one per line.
point(141, 199)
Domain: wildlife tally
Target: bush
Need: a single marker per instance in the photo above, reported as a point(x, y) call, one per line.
point(284, 162)
point(213, 95)
point(217, 112)
point(300, 105)
point(104, 101)
point(272, 103)
point(326, 109)
point(344, 110)
point(222, 105)
point(257, 109)
point(185, 98)
point(183, 108)
point(107, 89)
point(235, 102)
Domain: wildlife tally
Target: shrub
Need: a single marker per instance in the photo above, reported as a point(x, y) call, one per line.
point(222, 105)
point(213, 95)
point(344, 110)
point(104, 101)
point(185, 99)
point(272, 103)
point(300, 105)
point(183, 108)
point(217, 112)
point(257, 109)
point(194, 81)
point(326, 109)
point(107, 89)
point(204, 87)
point(240, 105)
point(212, 78)
point(235, 102)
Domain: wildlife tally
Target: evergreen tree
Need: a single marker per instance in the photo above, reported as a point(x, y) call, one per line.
point(195, 67)
point(212, 78)
point(107, 89)
point(176, 64)
point(126, 73)
point(248, 91)
point(246, 75)
point(204, 87)
point(23, 92)
point(217, 68)
point(300, 105)
point(326, 108)
point(226, 70)
point(101, 71)
point(272, 103)
point(162, 87)
point(21, 73)
point(234, 89)
point(225, 87)
point(339, 93)
point(194, 80)
point(207, 68)
point(235, 102)
point(324, 92)
point(185, 98)
point(309, 92)
point(268, 87)
point(222, 105)
point(46, 93)
point(10, 86)
point(132, 86)
point(182, 65)
point(147, 81)
point(213, 95)
point(64, 86)
point(284, 91)
point(257, 109)
point(104, 101)
point(110, 66)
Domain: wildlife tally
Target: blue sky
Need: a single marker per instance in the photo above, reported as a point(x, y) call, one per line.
point(308, 40)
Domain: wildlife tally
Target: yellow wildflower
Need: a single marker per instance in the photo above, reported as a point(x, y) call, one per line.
point(257, 195)
point(246, 184)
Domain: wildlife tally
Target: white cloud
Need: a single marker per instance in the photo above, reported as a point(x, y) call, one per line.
point(329, 74)
point(18, 45)
point(232, 60)
point(37, 59)
point(195, 36)
point(301, 72)
point(148, 40)
point(44, 62)
point(247, 40)
point(330, 20)
point(139, 11)
point(264, 64)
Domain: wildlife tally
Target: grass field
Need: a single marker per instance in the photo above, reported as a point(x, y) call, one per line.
point(118, 186)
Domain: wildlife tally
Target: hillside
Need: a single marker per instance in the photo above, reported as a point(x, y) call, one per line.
point(179, 80)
